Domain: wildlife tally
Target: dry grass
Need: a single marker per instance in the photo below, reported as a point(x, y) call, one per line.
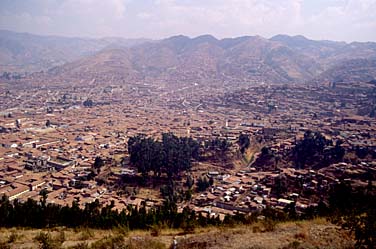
point(317, 233)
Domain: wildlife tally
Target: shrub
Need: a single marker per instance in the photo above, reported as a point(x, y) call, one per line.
point(141, 243)
point(187, 243)
point(122, 230)
point(292, 245)
point(86, 234)
point(4, 245)
point(13, 237)
point(256, 229)
point(60, 238)
point(115, 242)
point(155, 231)
point(269, 225)
point(81, 245)
point(45, 241)
point(301, 236)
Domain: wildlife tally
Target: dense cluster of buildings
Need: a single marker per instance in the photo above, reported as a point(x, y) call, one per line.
point(49, 140)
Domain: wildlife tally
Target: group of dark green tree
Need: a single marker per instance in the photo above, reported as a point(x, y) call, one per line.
point(315, 151)
point(40, 214)
point(174, 155)
point(352, 208)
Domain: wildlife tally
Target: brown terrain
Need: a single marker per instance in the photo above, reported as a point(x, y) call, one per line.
point(306, 234)
point(54, 124)
point(281, 59)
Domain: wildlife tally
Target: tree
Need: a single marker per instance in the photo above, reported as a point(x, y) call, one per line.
point(265, 151)
point(202, 184)
point(361, 152)
point(88, 103)
point(338, 152)
point(189, 181)
point(18, 123)
point(243, 142)
point(172, 155)
point(43, 199)
point(355, 209)
point(45, 241)
point(98, 164)
point(50, 109)
point(310, 149)
point(290, 209)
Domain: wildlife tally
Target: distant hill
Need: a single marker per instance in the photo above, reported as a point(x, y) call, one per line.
point(353, 70)
point(339, 61)
point(181, 58)
point(23, 52)
point(281, 59)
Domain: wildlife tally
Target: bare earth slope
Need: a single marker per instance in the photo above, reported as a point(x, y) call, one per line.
point(24, 52)
point(244, 59)
point(247, 59)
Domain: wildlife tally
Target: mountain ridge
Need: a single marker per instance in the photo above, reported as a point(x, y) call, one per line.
point(25, 52)
point(280, 59)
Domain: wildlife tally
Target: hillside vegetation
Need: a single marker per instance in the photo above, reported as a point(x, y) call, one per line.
point(317, 233)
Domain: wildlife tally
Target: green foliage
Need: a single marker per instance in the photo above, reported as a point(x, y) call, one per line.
point(46, 242)
point(169, 192)
point(188, 195)
point(171, 156)
point(274, 214)
point(352, 208)
point(88, 103)
point(314, 150)
point(189, 182)
point(33, 214)
point(290, 210)
point(243, 142)
point(265, 151)
point(218, 145)
point(280, 186)
point(361, 152)
point(355, 209)
point(305, 150)
point(364, 228)
point(189, 226)
point(202, 184)
point(98, 163)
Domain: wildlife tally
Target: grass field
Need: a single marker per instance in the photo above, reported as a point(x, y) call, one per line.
point(316, 233)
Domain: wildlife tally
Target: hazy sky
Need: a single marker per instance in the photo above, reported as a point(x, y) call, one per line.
point(346, 20)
